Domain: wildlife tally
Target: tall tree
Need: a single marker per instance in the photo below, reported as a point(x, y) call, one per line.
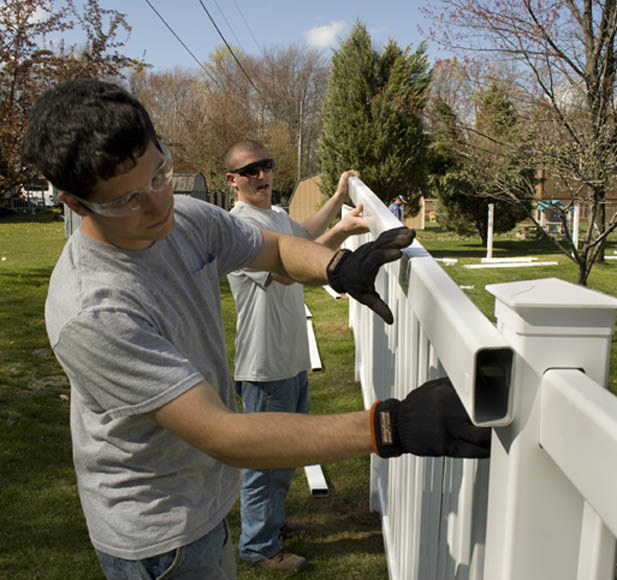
point(372, 117)
point(281, 91)
point(562, 56)
point(198, 123)
point(292, 84)
point(30, 62)
point(469, 170)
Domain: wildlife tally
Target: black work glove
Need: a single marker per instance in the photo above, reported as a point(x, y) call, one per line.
point(355, 272)
point(430, 421)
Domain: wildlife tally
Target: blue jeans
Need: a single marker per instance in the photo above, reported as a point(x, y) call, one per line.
point(263, 492)
point(211, 557)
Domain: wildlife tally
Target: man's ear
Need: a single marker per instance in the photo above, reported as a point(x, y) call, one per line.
point(73, 203)
point(231, 179)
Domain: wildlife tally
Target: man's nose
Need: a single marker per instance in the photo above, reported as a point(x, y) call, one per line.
point(157, 200)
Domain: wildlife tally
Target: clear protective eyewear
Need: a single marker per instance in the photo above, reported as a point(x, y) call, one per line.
point(132, 201)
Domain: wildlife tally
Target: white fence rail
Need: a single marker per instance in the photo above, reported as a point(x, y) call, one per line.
point(544, 507)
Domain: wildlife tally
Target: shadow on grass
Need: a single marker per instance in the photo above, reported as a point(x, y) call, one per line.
point(40, 217)
point(501, 248)
point(34, 276)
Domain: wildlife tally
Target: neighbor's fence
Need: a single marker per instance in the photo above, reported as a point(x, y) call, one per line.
point(544, 507)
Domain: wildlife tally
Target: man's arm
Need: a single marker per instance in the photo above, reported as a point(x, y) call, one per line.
point(346, 271)
point(263, 440)
point(351, 225)
point(316, 224)
point(293, 257)
point(430, 421)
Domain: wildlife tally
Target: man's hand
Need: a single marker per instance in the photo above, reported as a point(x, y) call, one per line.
point(343, 183)
point(430, 421)
point(352, 223)
point(355, 272)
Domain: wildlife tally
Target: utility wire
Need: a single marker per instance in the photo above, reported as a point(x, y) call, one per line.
point(229, 26)
point(229, 47)
point(182, 43)
point(248, 27)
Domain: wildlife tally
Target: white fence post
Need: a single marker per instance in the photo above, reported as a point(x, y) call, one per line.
point(536, 517)
point(489, 230)
point(576, 216)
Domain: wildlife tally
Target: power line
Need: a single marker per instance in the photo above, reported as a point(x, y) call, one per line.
point(229, 25)
point(228, 47)
point(182, 43)
point(248, 27)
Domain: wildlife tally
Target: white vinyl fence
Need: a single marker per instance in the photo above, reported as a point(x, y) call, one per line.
point(544, 507)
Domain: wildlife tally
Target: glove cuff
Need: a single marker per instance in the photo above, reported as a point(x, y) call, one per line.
point(334, 270)
point(384, 428)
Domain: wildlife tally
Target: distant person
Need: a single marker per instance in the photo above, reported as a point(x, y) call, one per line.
point(396, 207)
point(133, 315)
point(272, 351)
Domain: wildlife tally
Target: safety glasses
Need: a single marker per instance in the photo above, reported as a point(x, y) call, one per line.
point(253, 169)
point(132, 201)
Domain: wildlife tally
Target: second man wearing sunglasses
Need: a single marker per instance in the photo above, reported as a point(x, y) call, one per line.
point(272, 353)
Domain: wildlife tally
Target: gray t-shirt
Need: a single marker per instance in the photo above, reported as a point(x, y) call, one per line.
point(133, 330)
point(271, 338)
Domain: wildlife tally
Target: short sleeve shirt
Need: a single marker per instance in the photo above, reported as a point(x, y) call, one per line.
point(271, 337)
point(133, 330)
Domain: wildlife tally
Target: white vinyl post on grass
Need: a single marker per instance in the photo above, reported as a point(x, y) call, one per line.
point(314, 474)
point(489, 230)
point(575, 224)
point(316, 480)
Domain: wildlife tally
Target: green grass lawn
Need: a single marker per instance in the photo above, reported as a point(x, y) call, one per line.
point(42, 531)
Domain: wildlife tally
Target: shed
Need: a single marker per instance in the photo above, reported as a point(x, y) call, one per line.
point(306, 198)
point(192, 184)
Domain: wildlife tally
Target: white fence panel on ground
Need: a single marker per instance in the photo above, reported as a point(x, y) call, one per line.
point(543, 507)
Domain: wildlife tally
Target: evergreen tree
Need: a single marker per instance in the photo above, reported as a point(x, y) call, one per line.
point(469, 174)
point(372, 118)
point(448, 179)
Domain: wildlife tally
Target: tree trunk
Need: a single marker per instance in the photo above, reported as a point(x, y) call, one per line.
point(583, 274)
point(601, 221)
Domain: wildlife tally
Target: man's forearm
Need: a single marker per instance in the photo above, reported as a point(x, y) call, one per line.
point(316, 224)
point(293, 257)
point(334, 237)
point(263, 440)
point(279, 440)
point(304, 261)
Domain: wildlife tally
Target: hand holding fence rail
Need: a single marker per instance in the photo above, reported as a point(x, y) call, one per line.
point(474, 355)
point(354, 272)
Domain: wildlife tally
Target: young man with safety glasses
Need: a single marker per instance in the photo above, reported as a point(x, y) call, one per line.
point(272, 351)
point(133, 315)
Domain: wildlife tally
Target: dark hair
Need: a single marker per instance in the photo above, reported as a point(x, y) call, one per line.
point(83, 131)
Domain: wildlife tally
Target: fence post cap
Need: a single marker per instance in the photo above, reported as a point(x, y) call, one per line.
point(550, 293)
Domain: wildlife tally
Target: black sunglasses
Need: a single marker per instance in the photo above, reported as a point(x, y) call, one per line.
point(253, 169)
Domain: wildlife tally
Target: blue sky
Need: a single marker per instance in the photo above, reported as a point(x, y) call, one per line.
point(267, 23)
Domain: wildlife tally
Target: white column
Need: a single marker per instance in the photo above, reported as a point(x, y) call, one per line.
point(575, 224)
point(489, 230)
point(535, 515)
